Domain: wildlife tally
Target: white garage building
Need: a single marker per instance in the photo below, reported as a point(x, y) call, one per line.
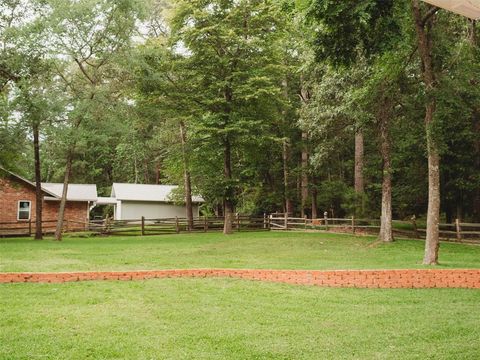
point(132, 201)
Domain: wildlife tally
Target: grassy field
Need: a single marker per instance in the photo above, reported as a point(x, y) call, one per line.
point(264, 250)
point(227, 318)
point(234, 319)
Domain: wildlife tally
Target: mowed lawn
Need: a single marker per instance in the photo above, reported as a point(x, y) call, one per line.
point(263, 250)
point(234, 319)
point(230, 318)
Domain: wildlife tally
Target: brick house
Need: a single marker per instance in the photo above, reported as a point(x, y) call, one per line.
point(17, 203)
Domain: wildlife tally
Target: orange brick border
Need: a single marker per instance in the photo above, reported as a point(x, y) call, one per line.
point(385, 279)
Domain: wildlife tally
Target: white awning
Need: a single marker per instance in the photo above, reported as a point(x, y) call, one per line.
point(106, 201)
point(468, 8)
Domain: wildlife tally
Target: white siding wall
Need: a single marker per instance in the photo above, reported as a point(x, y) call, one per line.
point(133, 210)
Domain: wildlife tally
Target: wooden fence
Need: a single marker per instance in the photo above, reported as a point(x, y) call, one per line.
point(461, 232)
point(177, 225)
point(137, 227)
point(27, 228)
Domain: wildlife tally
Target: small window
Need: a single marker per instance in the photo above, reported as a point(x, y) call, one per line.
point(24, 208)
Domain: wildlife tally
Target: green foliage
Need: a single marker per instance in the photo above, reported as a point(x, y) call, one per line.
point(346, 30)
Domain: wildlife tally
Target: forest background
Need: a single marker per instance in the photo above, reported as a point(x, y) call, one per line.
point(361, 108)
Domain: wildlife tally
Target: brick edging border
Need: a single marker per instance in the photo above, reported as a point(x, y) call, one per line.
point(385, 279)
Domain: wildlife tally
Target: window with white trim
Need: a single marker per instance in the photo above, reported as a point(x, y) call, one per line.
point(24, 210)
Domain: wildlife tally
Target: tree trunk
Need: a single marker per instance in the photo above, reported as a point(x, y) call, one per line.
point(359, 162)
point(286, 178)
point(304, 175)
point(473, 38)
point(38, 183)
point(157, 173)
point(186, 177)
point(476, 196)
point(228, 199)
point(472, 32)
point(386, 230)
point(423, 28)
point(314, 202)
point(63, 201)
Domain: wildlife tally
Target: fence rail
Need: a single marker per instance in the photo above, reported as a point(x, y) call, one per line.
point(27, 228)
point(458, 231)
point(145, 226)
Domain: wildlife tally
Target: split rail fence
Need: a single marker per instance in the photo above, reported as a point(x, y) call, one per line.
point(145, 226)
point(458, 231)
point(137, 227)
point(27, 228)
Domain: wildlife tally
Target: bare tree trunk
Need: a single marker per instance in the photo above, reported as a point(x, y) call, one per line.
point(305, 96)
point(386, 230)
point(359, 162)
point(286, 178)
point(476, 199)
point(423, 26)
point(473, 38)
point(472, 32)
point(157, 173)
point(314, 203)
point(135, 167)
point(38, 183)
point(186, 177)
point(63, 201)
point(304, 176)
point(228, 200)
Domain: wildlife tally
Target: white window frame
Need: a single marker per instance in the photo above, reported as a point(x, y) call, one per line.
point(29, 210)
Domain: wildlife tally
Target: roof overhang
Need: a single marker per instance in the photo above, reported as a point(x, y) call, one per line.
point(106, 201)
point(468, 8)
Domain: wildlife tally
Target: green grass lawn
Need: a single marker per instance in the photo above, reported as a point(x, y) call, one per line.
point(228, 318)
point(264, 250)
point(234, 319)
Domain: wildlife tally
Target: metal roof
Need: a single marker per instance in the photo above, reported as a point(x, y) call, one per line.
point(140, 192)
point(106, 201)
point(468, 8)
point(76, 192)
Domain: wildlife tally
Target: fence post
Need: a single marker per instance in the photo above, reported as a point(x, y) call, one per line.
point(459, 230)
point(325, 218)
point(269, 222)
point(415, 228)
point(238, 221)
point(353, 224)
point(177, 226)
point(143, 225)
point(286, 221)
point(30, 227)
point(264, 220)
point(205, 224)
point(305, 218)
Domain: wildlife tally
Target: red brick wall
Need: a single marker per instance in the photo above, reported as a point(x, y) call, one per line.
point(385, 279)
point(76, 214)
point(11, 192)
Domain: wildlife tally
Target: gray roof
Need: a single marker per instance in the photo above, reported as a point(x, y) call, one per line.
point(140, 192)
point(76, 192)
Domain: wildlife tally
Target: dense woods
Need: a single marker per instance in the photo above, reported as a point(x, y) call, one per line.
point(365, 108)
